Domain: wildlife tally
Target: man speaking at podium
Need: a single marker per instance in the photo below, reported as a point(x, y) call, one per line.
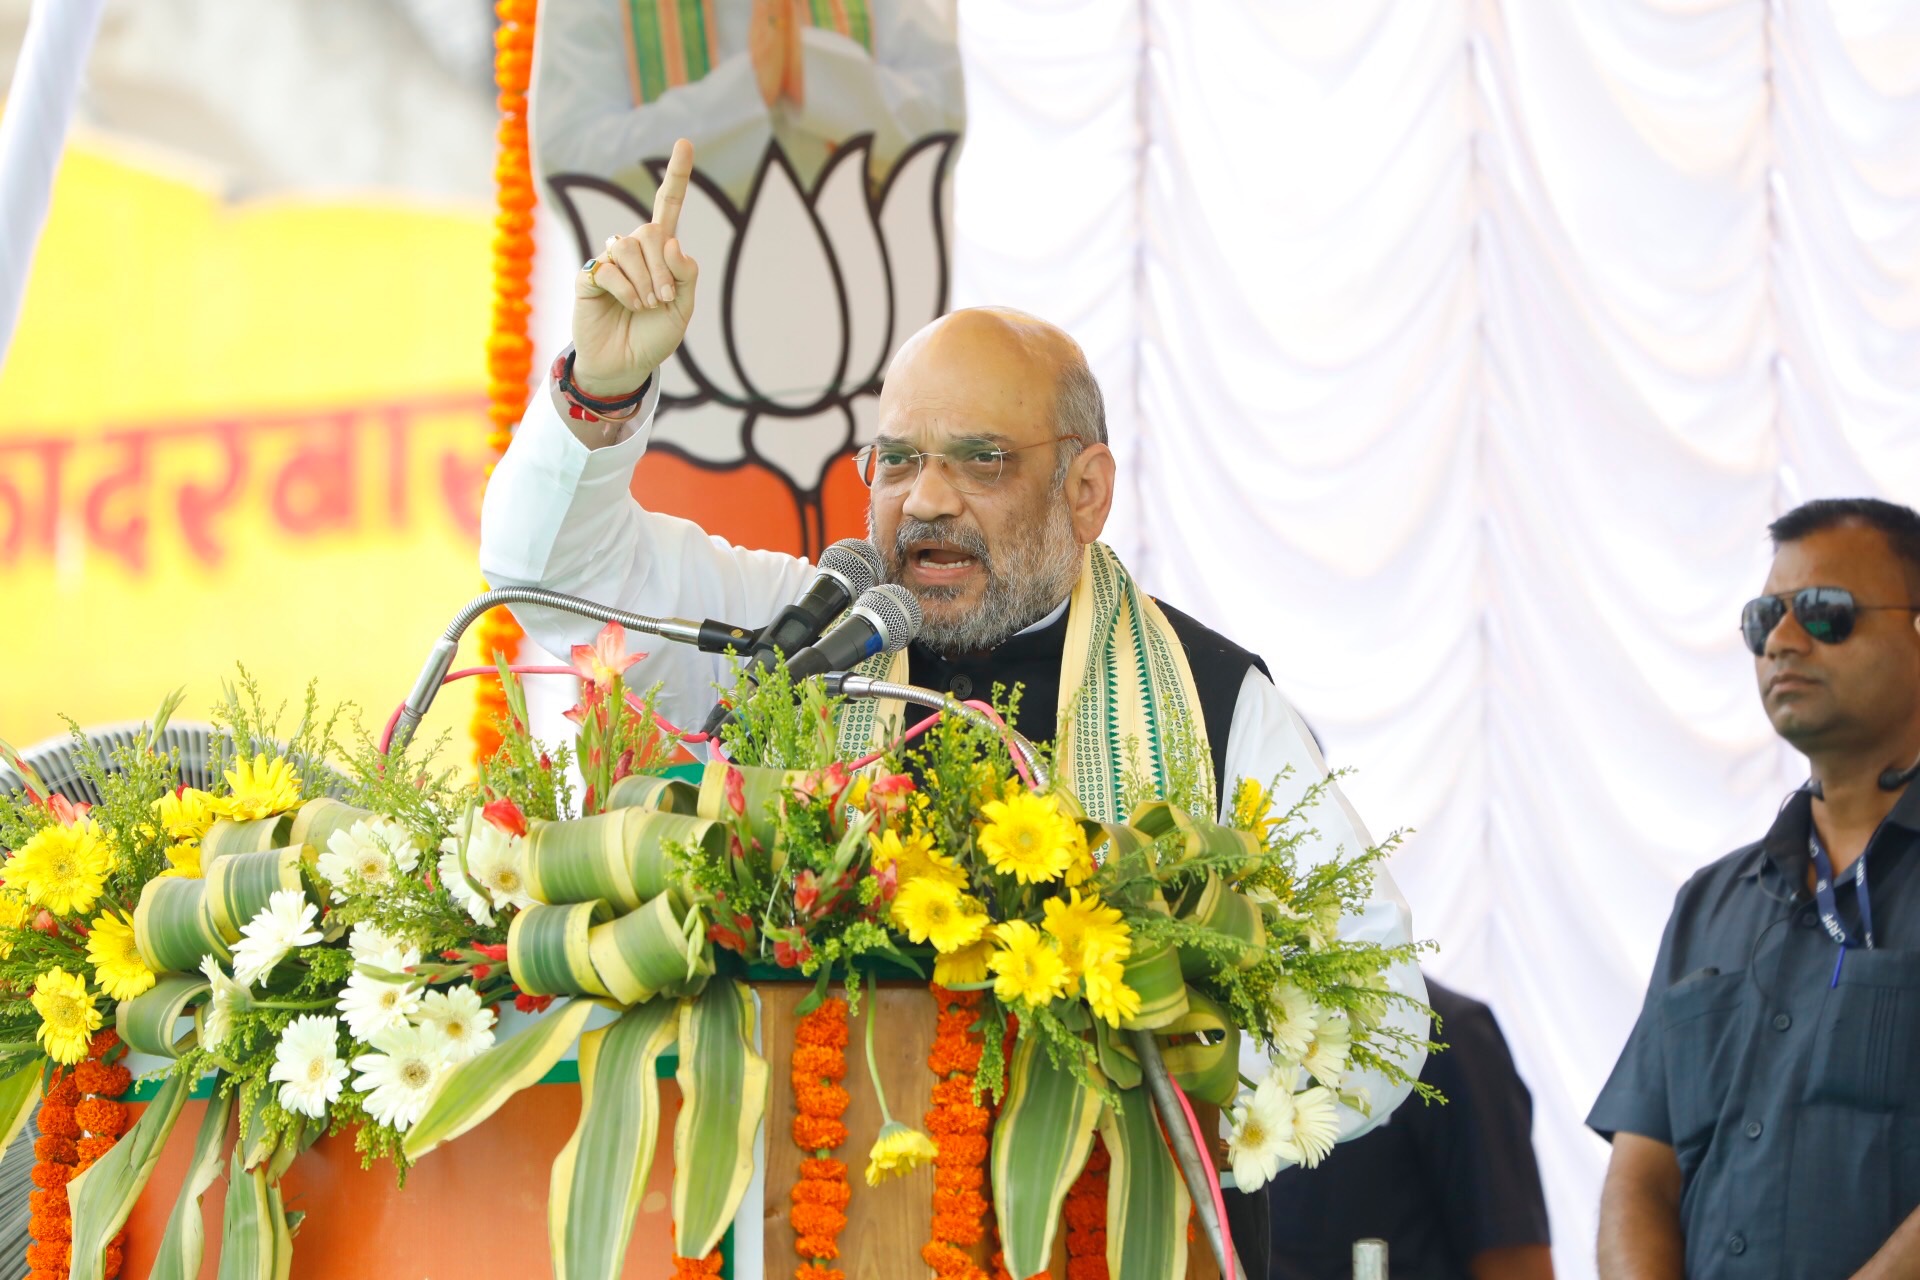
point(991, 481)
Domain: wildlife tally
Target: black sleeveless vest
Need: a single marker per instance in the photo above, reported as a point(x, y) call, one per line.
point(1033, 660)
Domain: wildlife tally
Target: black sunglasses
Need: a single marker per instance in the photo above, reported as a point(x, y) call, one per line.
point(1825, 613)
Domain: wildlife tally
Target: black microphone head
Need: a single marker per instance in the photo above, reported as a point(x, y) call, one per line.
point(894, 613)
point(855, 562)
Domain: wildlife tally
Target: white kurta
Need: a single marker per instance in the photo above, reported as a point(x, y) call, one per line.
point(561, 515)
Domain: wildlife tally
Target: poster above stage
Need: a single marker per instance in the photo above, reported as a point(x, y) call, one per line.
point(824, 136)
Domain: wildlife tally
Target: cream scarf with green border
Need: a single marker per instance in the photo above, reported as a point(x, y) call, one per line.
point(1124, 680)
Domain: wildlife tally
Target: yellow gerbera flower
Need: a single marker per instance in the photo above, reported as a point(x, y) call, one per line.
point(117, 965)
point(1087, 929)
point(965, 966)
point(1253, 810)
point(13, 915)
point(1108, 994)
point(933, 911)
point(184, 855)
point(1079, 858)
point(68, 1018)
point(898, 1150)
point(914, 857)
point(259, 788)
point(186, 814)
point(62, 868)
point(1027, 967)
point(1026, 836)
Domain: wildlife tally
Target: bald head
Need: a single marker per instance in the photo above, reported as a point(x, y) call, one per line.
point(1007, 364)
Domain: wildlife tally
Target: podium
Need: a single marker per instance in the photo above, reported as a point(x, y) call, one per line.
point(478, 1206)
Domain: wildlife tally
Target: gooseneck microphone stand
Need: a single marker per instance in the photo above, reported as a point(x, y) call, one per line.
point(708, 636)
point(847, 685)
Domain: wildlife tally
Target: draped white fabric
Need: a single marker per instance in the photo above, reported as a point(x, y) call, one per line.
point(1457, 353)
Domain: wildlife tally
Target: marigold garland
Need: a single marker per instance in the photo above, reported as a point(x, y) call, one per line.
point(1085, 1213)
point(509, 349)
point(79, 1123)
point(696, 1268)
point(959, 1127)
point(821, 1195)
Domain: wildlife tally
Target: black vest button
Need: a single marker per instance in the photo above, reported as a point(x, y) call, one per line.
point(1755, 1128)
point(960, 687)
point(1736, 1244)
point(1782, 1021)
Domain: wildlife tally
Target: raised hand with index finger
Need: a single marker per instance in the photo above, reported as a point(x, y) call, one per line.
point(631, 304)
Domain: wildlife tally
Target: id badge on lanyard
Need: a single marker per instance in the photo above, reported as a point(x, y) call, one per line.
point(1829, 909)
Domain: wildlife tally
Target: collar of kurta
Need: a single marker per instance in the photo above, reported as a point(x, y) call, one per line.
point(1124, 686)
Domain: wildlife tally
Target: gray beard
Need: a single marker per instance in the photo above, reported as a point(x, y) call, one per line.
point(1026, 583)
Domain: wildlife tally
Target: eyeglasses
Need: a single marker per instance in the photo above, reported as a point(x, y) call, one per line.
point(1825, 613)
point(973, 466)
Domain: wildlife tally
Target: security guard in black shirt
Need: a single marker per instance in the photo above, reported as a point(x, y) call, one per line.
point(1765, 1113)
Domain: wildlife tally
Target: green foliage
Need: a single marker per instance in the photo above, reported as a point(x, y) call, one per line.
point(779, 725)
point(309, 747)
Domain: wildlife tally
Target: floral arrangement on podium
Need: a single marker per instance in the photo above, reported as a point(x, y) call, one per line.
point(331, 934)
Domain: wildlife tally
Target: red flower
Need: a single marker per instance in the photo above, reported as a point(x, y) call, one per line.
point(727, 938)
point(599, 662)
point(792, 957)
point(736, 790)
point(806, 891)
point(506, 815)
point(531, 1004)
point(491, 950)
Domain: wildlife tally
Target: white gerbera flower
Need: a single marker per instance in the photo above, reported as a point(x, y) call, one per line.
point(1316, 1124)
point(308, 1066)
point(495, 862)
point(367, 855)
point(284, 923)
point(1261, 1139)
point(458, 1017)
point(1297, 1021)
point(400, 1080)
point(1326, 1058)
point(367, 942)
point(229, 998)
point(373, 1005)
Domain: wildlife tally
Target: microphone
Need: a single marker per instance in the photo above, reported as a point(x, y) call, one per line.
point(884, 620)
point(846, 570)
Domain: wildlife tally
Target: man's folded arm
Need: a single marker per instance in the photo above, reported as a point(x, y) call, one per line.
point(1268, 741)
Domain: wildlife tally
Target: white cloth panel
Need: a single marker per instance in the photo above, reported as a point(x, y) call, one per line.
point(1457, 353)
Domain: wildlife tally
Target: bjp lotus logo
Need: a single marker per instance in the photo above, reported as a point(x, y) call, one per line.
point(804, 297)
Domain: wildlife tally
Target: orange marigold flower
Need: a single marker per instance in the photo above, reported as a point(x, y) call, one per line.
point(816, 1219)
point(808, 1271)
point(49, 1255)
point(91, 1149)
point(46, 1175)
point(693, 1268)
point(1084, 1213)
point(817, 1133)
point(105, 1041)
point(945, 1259)
point(102, 1116)
point(55, 1149)
point(825, 1026)
point(40, 1273)
point(954, 1178)
point(1090, 1268)
point(1098, 1161)
point(820, 1170)
point(965, 1148)
point(819, 1248)
point(833, 1193)
point(950, 1056)
point(50, 1226)
point(65, 1093)
point(828, 1100)
point(959, 1228)
point(50, 1201)
point(819, 1062)
point(101, 1079)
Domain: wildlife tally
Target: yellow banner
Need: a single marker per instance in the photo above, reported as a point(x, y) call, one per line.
point(236, 432)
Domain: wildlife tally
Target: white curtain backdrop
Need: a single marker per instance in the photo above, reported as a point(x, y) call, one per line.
point(1457, 353)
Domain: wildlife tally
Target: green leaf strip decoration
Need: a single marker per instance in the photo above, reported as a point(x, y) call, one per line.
point(599, 1176)
point(1227, 911)
point(1117, 1062)
point(185, 1239)
point(723, 1089)
point(549, 951)
point(103, 1196)
point(478, 1087)
point(1147, 1201)
point(650, 839)
point(18, 1093)
point(648, 951)
point(251, 1232)
point(763, 788)
point(173, 928)
point(226, 837)
point(580, 860)
point(1124, 854)
point(1198, 837)
point(1155, 974)
point(1207, 1070)
point(147, 1021)
point(315, 821)
point(1040, 1145)
point(241, 884)
point(651, 791)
